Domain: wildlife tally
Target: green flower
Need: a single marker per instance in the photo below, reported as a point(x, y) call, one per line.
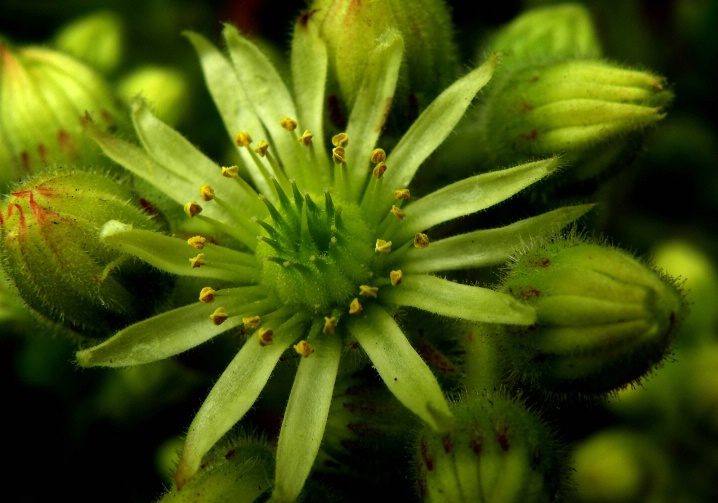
point(341, 244)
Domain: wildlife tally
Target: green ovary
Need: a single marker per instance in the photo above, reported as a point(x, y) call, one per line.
point(315, 256)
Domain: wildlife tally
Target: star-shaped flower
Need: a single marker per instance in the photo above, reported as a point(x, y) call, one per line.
point(320, 249)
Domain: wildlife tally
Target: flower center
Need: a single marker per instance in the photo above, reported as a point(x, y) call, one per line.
point(315, 256)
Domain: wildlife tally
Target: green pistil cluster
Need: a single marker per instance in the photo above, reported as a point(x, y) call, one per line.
point(317, 255)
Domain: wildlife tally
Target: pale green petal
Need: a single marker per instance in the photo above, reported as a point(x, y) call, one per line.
point(230, 99)
point(470, 195)
point(403, 371)
point(173, 151)
point(309, 75)
point(157, 338)
point(452, 299)
point(372, 105)
point(173, 254)
point(267, 94)
point(434, 125)
point(136, 160)
point(233, 394)
point(306, 416)
point(488, 247)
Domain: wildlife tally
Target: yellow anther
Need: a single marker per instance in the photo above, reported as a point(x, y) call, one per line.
point(251, 322)
point(339, 155)
point(303, 348)
point(261, 148)
point(219, 316)
point(206, 192)
point(265, 336)
point(378, 155)
point(197, 261)
point(330, 323)
point(230, 172)
point(382, 246)
point(288, 124)
point(306, 138)
point(243, 139)
point(397, 212)
point(379, 170)
point(355, 307)
point(197, 242)
point(206, 295)
point(421, 240)
point(395, 277)
point(368, 291)
point(402, 194)
point(192, 209)
point(340, 140)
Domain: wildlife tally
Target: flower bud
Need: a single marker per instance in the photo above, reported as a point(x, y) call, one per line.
point(603, 318)
point(590, 111)
point(51, 252)
point(96, 39)
point(43, 96)
point(239, 469)
point(617, 466)
point(499, 452)
point(165, 88)
point(553, 31)
point(352, 30)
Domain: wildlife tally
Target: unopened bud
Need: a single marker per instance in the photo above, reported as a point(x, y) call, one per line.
point(49, 92)
point(590, 111)
point(603, 318)
point(49, 240)
point(499, 451)
point(352, 31)
point(96, 39)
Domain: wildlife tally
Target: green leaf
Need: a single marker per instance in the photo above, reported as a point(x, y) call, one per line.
point(233, 394)
point(488, 247)
point(470, 195)
point(403, 371)
point(306, 416)
point(447, 298)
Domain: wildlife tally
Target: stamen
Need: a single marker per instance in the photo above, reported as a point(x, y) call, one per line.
point(382, 246)
point(379, 170)
point(378, 155)
point(230, 172)
point(339, 155)
point(368, 291)
point(206, 192)
point(197, 242)
point(265, 336)
point(395, 277)
point(402, 194)
point(192, 209)
point(206, 295)
point(243, 139)
point(330, 324)
point(251, 322)
point(197, 261)
point(261, 148)
point(288, 124)
point(355, 307)
point(306, 138)
point(340, 140)
point(421, 240)
point(397, 212)
point(303, 348)
point(219, 316)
